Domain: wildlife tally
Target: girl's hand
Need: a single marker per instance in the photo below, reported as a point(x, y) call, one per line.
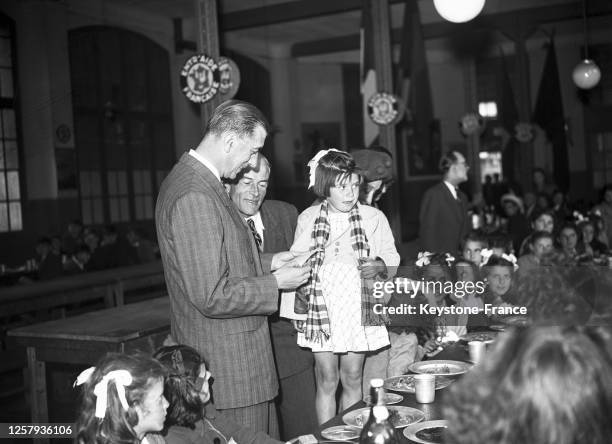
point(298, 325)
point(430, 346)
point(372, 268)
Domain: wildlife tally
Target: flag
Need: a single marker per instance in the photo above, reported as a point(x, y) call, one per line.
point(548, 114)
point(415, 91)
point(508, 116)
point(368, 72)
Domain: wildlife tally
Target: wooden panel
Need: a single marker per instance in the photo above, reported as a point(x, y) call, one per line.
point(286, 12)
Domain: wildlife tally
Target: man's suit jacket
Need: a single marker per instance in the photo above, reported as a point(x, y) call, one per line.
point(279, 220)
point(219, 294)
point(443, 221)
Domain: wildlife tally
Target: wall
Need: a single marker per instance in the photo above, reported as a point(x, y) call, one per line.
point(45, 102)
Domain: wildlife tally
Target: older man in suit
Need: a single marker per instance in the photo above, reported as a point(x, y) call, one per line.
point(443, 220)
point(273, 225)
point(221, 291)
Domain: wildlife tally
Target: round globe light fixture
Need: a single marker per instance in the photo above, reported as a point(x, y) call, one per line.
point(586, 74)
point(457, 11)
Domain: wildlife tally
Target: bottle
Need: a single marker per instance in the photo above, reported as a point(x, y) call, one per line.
point(380, 431)
point(377, 397)
point(377, 392)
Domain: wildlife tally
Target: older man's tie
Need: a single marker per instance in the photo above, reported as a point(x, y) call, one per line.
point(258, 239)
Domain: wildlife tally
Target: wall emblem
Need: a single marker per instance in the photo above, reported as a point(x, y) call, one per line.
point(200, 78)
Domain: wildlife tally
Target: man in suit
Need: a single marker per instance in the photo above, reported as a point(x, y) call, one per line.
point(274, 225)
point(221, 291)
point(443, 219)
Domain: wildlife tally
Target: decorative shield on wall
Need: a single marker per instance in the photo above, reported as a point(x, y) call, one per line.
point(385, 108)
point(200, 78)
point(229, 78)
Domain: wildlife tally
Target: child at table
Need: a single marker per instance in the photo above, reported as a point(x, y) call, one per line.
point(122, 401)
point(435, 274)
point(499, 272)
point(353, 246)
point(192, 417)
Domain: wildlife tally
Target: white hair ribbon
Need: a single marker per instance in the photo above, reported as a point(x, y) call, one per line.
point(579, 217)
point(314, 162)
point(486, 254)
point(84, 376)
point(512, 259)
point(449, 259)
point(122, 379)
point(423, 258)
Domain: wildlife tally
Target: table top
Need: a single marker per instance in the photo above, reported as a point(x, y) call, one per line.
point(433, 411)
point(113, 325)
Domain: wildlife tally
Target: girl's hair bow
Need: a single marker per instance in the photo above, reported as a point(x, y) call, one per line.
point(314, 162)
point(512, 259)
point(449, 259)
point(122, 379)
point(423, 258)
point(486, 254)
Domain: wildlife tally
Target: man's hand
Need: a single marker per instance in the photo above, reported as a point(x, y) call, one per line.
point(281, 259)
point(372, 268)
point(289, 277)
point(298, 324)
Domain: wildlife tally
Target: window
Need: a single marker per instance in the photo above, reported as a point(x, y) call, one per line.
point(123, 123)
point(10, 189)
point(487, 110)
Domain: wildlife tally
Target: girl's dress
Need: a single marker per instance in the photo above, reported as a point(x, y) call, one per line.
point(341, 280)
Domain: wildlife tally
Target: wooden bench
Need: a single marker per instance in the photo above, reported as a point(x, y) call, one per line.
point(71, 295)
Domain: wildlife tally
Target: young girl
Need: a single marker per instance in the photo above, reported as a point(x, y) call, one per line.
point(122, 400)
point(352, 245)
point(498, 272)
point(192, 418)
point(435, 274)
point(541, 246)
point(469, 294)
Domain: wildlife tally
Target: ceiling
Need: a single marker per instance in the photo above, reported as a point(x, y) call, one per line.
point(335, 23)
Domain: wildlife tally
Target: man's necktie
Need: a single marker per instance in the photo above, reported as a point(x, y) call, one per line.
point(258, 239)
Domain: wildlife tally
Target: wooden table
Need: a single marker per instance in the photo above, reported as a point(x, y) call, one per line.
point(433, 411)
point(84, 339)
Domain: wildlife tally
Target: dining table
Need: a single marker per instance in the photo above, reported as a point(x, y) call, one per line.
point(457, 351)
point(84, 339)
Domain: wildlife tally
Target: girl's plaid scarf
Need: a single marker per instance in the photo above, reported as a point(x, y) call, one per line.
point(317, 321)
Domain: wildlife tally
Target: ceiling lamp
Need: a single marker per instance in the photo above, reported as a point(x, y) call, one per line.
point(586, 74)
point(459, 11)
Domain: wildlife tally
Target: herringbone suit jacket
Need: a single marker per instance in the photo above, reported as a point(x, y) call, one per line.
point(219, 294)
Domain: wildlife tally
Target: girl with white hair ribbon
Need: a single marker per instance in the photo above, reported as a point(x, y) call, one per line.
point(122, 400)
point(352, 246)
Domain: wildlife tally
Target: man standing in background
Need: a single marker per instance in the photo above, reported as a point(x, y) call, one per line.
point(443, 219)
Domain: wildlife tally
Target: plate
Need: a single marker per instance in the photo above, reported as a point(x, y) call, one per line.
point(517, 321)
point(418, 432)
point(485, 336)
point(406, 416)
point(405, 383)
point(390, 398)
point(440, 368)
point(341, 433)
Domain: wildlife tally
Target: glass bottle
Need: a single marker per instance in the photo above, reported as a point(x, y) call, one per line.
point(380, 431)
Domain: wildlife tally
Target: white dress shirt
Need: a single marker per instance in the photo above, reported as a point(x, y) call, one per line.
point(452, 189)
point(206, 163)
